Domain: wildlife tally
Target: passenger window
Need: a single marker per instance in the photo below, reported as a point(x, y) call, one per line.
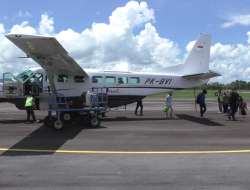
point(110, 80)
point(47, 78)
point(123, 80)
point(134, 80)
point(97, 79)
point(79, 79)
point(62, 78)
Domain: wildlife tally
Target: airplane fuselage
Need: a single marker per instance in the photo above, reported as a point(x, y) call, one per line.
point(123, 87)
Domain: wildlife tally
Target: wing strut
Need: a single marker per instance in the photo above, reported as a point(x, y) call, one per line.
point(51, 81)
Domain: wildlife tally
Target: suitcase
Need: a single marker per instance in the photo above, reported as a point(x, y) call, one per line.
point(228, 110)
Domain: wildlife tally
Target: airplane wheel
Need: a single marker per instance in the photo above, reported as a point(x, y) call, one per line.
point(58, 125)
point(48, 122)
point(85, 119)
point(67, 117)
point(94, 123)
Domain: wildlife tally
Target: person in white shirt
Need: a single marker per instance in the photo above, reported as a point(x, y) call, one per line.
point(36, 82)
point(168, 102)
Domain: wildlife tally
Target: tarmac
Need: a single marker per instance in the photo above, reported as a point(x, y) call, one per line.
point(127, 151)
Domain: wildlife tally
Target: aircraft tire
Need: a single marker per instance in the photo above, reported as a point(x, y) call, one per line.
point(67, 117)
point(85, 119)
point(58, 125)
point(48, 122)
point(94, 123)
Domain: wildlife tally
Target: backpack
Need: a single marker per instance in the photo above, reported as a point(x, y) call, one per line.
point(198, 99)
point(228, 99)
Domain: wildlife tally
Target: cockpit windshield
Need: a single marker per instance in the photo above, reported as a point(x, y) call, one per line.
point(24, 75)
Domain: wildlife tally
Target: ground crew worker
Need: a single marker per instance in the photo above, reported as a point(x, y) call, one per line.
point(29, 106)
point(220, 101)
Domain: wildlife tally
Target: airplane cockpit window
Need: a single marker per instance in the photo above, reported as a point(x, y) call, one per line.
point(8, 78)
point(110, 80)
point(97, 79)
point(62, 78)
point(79, 79)
point(123, 80)
point(24, 75)
point(134, 80)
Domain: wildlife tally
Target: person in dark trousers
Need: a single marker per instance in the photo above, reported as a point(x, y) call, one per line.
point(225, 105)
point(220, 101)
point(202, 98)
point(29, 106)
point(139, 103)
point(234, 103)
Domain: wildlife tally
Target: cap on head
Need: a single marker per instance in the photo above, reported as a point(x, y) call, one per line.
point(204, 91)
point(234, 88)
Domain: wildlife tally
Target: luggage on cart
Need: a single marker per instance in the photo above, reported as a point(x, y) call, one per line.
point(89, 98)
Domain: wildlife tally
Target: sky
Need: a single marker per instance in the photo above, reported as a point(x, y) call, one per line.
point(140, 36)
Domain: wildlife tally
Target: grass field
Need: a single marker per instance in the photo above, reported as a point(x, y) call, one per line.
point(190, 94)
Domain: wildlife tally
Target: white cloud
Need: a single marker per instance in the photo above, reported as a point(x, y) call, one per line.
point(22, 15)
point(237, 20)
point(114, 45)
point(46, 25)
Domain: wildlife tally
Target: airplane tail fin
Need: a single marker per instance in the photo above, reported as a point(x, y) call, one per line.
point(196, 65)
point(199, 57)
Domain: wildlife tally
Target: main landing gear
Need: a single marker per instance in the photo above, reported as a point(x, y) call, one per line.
point(91, 120)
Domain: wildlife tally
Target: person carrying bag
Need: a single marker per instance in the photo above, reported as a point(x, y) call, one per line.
point(168, 104)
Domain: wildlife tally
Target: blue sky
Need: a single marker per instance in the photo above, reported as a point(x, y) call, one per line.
point(178, 22)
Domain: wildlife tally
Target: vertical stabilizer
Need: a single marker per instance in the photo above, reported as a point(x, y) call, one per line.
point(199, 57)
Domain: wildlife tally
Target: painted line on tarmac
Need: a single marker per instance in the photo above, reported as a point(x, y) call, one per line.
point(212, 102)
point(124, 152)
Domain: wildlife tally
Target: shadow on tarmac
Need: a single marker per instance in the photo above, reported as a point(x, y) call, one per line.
point(139, 119)
point(12, 122)
point(45, 138)
point(203, 121)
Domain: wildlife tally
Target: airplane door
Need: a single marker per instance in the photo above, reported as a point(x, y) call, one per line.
point(12, 86)
point(62, 83)
point(118, 85)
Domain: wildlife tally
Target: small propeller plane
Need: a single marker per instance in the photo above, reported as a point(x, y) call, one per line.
point(61, 73)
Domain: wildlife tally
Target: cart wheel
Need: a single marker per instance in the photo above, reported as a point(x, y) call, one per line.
point(47, 121)
point(67, 117)
point(58, 125)
point(94, 123)
point(85, 119)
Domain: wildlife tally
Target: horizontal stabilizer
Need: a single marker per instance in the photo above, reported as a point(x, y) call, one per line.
point(207, 75)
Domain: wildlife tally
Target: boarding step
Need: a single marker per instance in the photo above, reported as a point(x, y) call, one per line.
point(119, 108)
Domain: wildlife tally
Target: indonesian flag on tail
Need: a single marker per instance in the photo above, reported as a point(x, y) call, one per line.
point(199, 48)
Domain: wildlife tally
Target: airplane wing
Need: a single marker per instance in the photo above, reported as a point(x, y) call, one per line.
point(207, 75)
point(48, 53)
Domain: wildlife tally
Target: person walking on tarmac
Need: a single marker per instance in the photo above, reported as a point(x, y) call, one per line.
point(139, 104)
point(202, 98)
point(234, 103)
point(168, 103)
point(29, 106)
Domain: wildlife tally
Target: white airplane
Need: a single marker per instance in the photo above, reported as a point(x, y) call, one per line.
point(63, 74)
